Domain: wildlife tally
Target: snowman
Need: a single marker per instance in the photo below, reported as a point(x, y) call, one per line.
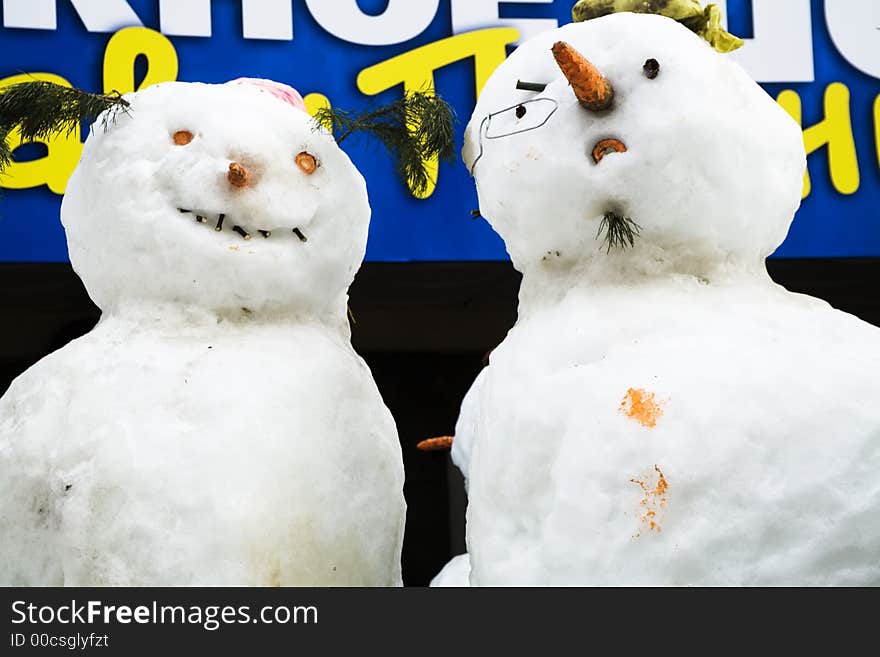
point(217, 426)
point(661, 413)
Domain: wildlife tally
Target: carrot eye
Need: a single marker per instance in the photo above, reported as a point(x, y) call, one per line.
point(307, 163)
point(182, 137)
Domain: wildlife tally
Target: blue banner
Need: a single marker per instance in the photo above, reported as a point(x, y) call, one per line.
point(820, 59)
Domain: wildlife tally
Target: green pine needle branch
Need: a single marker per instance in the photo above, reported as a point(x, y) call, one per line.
point(416, 128)
point(619, 232)
point(40, 109)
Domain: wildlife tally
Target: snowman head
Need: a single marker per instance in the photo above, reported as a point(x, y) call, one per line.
point(628, 138)
point(219, 196)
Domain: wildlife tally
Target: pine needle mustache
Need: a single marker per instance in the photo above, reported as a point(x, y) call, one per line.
point(40, 109)
point(619, 232)
point(418, 127)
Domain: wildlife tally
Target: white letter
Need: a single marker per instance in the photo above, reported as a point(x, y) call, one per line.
point(782, 49)
point(191, 18)
point(96, 15)
point(15, 609)
point(94, 610)
point(401, 21)
point(855, 31)
point(30, 14)
point(105, 15)
point(262, 19)
point(76, 612)
point(268, 19)
point(468, 15)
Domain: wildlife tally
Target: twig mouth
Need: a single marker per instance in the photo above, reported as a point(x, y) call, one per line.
point(619, 232)
point(221, 223)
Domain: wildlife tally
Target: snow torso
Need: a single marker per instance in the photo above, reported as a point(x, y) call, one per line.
point(752, 406)
point(241, 452)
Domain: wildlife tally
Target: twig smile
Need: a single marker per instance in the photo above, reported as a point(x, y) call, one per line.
point(220, 225)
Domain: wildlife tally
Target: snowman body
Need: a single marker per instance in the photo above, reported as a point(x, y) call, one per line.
point(705, 439)
point(216, 427)
point(661, 413)
point(244, 452)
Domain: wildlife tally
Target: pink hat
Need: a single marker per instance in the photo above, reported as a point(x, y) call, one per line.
point(281, 91)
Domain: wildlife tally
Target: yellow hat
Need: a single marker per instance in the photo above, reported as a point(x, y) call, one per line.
point(705, 22)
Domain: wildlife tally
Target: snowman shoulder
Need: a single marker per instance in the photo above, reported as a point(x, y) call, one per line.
point(33, 411)
point(467, 426)
point(51, 379)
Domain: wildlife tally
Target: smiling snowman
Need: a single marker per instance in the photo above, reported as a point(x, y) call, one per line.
point(662, 412)
point(216, 427)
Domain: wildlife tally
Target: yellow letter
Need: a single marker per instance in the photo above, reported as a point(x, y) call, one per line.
point(55, 168)
point(315, 102)
point(65, 149)
point(877, 126)
point(835, 131)
point(415, 69)
point(122, 50)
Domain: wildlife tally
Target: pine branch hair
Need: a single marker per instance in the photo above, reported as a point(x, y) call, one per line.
point(418, 127)
point(40, 109)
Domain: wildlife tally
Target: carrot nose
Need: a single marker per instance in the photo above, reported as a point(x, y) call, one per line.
point(593, 90)
point(436, 444)
point(238, 176)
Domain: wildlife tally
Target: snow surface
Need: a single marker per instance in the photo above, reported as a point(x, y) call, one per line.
point(663, 414)
point(466, 427)
point(216, 427)
point(455, 574)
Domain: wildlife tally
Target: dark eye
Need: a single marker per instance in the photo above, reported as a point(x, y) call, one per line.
point(651, 69)
point(519, 118)
point(182, 137)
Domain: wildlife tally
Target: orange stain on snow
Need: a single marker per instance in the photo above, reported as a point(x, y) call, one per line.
point(642, 406)
point(654, 501)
